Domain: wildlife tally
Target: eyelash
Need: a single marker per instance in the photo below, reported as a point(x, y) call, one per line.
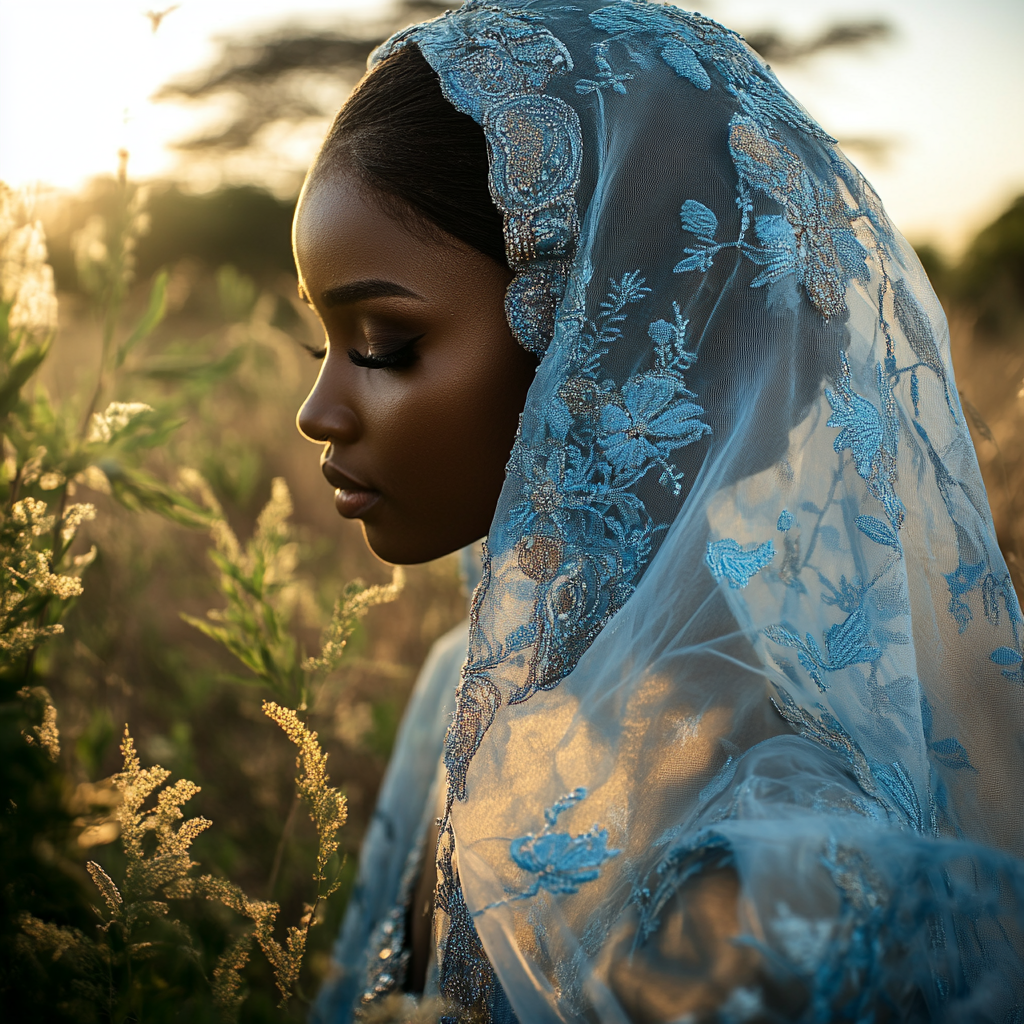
point(396, 360)
point(399, 359)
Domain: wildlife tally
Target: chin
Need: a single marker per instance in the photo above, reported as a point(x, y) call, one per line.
point(402, 549)
point(405, 548)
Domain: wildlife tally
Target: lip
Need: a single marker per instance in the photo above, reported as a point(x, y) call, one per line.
point(352, 498)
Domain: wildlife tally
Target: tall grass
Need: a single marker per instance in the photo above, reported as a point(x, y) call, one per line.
point(106, 913)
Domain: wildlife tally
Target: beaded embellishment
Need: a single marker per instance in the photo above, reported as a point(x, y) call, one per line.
point(493, 66)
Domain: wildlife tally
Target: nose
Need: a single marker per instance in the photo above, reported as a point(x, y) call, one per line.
point(327, 415)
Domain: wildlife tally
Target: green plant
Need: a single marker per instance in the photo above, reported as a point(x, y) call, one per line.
point(141, 958)
point(123, 965)
point(262, 592)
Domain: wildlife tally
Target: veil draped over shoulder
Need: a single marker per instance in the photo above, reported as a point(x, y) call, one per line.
point(739, 736)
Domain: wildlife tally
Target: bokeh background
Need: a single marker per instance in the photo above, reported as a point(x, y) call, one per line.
point(220, 105)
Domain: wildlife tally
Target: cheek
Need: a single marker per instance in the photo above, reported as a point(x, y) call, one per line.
point(452, 427)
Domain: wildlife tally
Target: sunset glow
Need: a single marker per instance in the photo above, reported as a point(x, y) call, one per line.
point(944, 98)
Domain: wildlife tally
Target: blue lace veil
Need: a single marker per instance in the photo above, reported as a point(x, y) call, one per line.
point(743, 619)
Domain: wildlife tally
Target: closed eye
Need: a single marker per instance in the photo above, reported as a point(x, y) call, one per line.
point(397, 359)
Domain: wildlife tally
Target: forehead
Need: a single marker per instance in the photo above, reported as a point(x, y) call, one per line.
point(336, 227)
point(342, 236)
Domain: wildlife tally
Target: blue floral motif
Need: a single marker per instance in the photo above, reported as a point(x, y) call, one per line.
point(879, 532)
point(949, 752)
point(1013, 662)
point(785, 523)
point(871, 435)
point(973, 570)
point(812, 238)
point(653, 420)
point(691, 45)
point(728, 560)
point(846, 643)
point(670, 351)
point(558, 488)
point(698, 220)
point(919, 334)
point(606, 77)
point(683, 61)
point(561, 862)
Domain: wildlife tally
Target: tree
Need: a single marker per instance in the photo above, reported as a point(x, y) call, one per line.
point(293, 77)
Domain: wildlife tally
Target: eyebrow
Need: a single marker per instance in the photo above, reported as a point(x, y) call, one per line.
point(357, 291)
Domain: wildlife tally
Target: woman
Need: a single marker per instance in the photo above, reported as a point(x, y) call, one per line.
point(738, 736)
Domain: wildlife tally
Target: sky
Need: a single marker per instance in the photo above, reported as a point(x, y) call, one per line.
point(946, 92)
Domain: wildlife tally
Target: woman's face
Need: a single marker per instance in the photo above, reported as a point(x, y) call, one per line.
point(422, 383)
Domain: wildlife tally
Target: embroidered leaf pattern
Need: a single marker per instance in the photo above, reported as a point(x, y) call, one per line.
point(561, 861)
point(699, 220)
point(729, 561)
point(879, 532)
point(871, 434)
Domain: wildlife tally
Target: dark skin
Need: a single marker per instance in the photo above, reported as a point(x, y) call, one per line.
point(422, 383)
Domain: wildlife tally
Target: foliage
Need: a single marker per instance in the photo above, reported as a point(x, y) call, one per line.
point(137, 929)
point(243, 227)
point(991, 277)
point(48, 453)
point(56, 963)
point(259, 584)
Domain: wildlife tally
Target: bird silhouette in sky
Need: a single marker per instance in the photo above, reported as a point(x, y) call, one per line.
point(156, 17)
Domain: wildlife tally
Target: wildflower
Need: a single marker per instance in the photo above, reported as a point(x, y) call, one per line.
point(73, 518)
point(94, 478)
point(26, 279)
point(105, 426)
point(46, 734)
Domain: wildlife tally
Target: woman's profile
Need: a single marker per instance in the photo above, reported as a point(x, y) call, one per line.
point(736, 731)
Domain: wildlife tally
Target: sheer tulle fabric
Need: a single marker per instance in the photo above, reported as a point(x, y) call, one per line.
point(739, 732)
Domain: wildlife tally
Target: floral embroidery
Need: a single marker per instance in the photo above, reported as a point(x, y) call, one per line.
point(493, 66)
point(1013, 661)
point(871, 434)
point(879, 532)
point(949, 751)
point(464, 973)
point(652, 422)
point(584, 536)
point(690, 44)
point(812, 239)
point(846, 643)
point(727, 560)
point(785, 522)
point(562, 862)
